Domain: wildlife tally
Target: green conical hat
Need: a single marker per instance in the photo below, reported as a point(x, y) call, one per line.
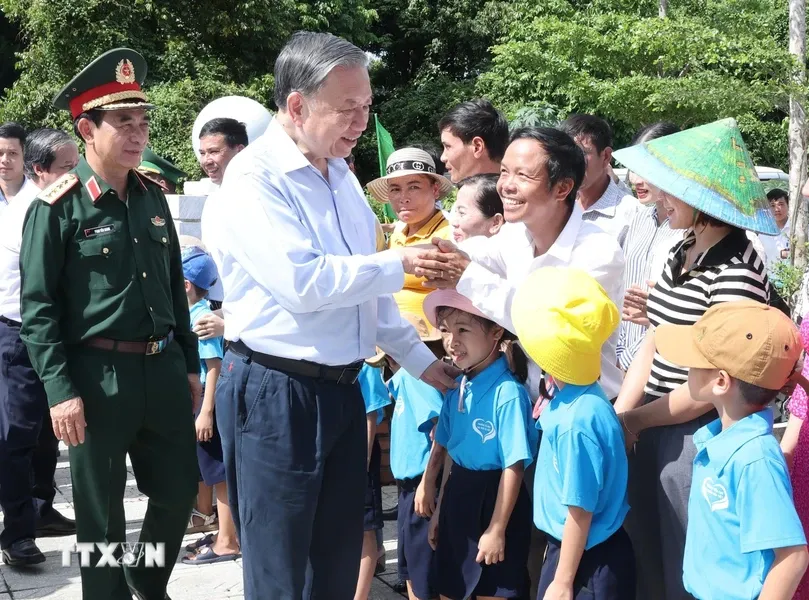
point(709, 168)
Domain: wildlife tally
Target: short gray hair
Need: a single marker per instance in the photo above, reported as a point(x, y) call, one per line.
point(307, 59)
point(41, 147)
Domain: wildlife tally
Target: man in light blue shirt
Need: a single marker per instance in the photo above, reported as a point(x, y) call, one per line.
point(307, 298)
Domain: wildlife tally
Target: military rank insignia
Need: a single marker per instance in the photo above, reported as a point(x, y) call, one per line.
point(58, 188)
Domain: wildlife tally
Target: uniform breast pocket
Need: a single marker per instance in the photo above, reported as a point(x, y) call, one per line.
point(103, 262)
point(160, 247)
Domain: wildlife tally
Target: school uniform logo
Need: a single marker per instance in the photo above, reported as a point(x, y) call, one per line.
point(485, 429)
point(715, 494)
point(399, 406)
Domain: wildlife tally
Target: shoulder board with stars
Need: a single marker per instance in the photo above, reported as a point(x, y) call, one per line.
point(58, 188)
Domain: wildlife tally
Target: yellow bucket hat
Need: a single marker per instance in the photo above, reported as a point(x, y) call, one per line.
point(562, 317)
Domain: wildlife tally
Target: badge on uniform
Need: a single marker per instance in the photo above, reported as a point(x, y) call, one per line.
point(158, 221)
point(100, 230)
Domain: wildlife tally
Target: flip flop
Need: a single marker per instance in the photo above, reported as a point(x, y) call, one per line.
point(207, 556)
point(200, 543)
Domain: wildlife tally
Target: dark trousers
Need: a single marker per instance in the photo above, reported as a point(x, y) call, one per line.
point(140, 406)
point(606, 571)
point(27, 444)
point(295, 452)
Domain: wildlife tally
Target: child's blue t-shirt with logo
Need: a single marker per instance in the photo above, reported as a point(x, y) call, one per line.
point(490, 427)
point(214, 348)
point(582, 462)
point(374, 392)
point(740, 509)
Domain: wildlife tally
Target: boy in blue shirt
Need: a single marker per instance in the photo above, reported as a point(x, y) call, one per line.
point(744, 538)
point(563, 317)
point(376, 398)
point(416, 409)
point(200, 275)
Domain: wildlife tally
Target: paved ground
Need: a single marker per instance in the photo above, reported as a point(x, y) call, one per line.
point(213, 582)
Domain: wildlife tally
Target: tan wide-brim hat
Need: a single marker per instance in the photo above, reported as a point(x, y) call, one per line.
point(425, 331)
point(408, 161)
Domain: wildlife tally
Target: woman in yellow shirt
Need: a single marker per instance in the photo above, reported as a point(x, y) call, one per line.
point(412, 187)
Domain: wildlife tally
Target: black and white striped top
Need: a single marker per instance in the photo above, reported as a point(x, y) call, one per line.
point(729, 270)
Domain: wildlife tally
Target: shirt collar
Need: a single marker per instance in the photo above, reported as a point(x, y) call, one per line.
point(86, 175)
point(569, 393)
point(733, 244)
point(288, 157)
point(481, 383)
point(426, 231)
point(608, 203)
point(722, 445)
point(25, 183)
point(562, 248)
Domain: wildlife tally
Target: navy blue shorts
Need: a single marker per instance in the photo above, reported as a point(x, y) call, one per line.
point(209, 455)
point(416, 557)
point(606, 571)
point(373, 491)
point(466, 511)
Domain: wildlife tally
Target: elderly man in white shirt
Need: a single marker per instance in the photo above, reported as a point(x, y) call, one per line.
point(27, 444)
point(306, 300)
point(540, 174)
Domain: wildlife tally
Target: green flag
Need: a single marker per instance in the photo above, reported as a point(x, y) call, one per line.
point(384, 146)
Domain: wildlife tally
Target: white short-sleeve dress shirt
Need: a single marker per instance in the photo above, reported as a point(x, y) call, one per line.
point(11, 223)
point(296, 253)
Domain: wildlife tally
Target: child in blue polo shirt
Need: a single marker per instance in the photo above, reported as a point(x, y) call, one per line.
point(376, 399)
point(563, 317)
point(483, 515)
point(744, 538)
point(416, 409)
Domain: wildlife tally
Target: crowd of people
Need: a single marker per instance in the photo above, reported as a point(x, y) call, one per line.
point(578, 370)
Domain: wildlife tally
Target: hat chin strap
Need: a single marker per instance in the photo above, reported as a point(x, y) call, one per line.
point(488, 356)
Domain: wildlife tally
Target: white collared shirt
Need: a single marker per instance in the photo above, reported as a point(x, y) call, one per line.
point(501, 263)
point(613, 212)
point(11, 223)
point(296, 255)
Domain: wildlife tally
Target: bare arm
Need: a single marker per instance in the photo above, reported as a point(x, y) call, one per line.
point(790, 440)
point(631, 394)
point(672, 409)
point(492, 544)
point(785, 573)
point(425, 493)
point(370, 424)
point(574, 539)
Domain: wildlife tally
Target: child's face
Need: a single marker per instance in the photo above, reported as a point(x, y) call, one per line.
point(466, 340)
point(706, 385)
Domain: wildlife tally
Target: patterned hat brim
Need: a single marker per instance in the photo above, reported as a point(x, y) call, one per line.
point(379, 186)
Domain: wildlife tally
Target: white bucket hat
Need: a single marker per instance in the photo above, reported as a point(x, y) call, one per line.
point(408, 161)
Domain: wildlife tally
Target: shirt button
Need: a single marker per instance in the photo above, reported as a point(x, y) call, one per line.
point(136, 240)
point(106, 250)
point(163, 240)
point(144, 274)
point(151, 309)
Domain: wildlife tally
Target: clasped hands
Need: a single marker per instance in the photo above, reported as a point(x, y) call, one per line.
point(441, 263)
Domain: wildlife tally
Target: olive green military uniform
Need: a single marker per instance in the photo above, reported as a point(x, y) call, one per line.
point(95, 269)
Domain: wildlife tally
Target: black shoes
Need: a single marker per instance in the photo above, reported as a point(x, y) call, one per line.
point(55, 525)
point(23, 553)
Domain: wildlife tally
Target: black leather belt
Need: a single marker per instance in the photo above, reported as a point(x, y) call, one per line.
point(155, 346)
point(10, 322)
point(343, 375)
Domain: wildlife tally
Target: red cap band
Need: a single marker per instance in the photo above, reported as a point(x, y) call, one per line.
point(107, 89)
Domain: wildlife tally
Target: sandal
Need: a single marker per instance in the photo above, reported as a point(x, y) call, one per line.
point(209, 523)
point(200, 543)
point(207, 556)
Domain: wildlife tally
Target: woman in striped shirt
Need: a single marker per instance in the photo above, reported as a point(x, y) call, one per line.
point(649, 232)
point(716, 262)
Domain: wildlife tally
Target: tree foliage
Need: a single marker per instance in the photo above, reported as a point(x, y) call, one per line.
point(538, 61)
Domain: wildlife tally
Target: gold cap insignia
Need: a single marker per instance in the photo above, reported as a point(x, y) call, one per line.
point(125, 72)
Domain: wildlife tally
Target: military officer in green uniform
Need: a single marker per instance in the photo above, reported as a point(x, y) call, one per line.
point(105, 320)
point(161, 171)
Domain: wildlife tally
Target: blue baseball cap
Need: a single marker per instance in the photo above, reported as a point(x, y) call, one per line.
point(199, 268)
